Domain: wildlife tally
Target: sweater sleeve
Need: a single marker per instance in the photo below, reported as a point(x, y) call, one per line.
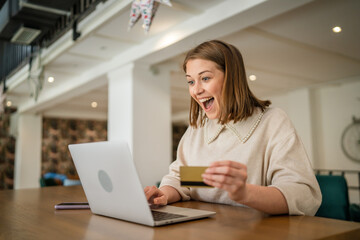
point(173, 177)
point(291, 172)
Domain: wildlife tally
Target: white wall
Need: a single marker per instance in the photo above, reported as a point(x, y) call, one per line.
point(320, 116)
point(339, 103)
point(298, 107)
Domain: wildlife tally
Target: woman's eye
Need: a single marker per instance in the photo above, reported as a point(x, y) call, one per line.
point(190, 82)
point(205, 78)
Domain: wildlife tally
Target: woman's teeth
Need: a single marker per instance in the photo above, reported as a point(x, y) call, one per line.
point(205, 99)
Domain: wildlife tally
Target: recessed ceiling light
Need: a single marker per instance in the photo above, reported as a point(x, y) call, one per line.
point(8, 103)
point(336, 29)
point(252, 77)
point(51, 79)
point(94, 104)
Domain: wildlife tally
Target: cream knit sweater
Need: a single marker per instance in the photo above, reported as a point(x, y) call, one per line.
point(266, 143)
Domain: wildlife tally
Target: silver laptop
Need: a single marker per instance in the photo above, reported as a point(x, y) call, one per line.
point(112, 186)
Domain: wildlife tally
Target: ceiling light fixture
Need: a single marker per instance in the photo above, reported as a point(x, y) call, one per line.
point(252, 77)
point(94, 104)
point(51, 79)
point(336, 29)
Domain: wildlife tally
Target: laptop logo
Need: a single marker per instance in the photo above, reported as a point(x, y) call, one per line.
point(105, 181)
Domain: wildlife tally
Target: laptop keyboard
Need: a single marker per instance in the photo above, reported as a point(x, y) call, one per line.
point(158, 216)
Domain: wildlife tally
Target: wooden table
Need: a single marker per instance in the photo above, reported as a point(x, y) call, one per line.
point(30, 214)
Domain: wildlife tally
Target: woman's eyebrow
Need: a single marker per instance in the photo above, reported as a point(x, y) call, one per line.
point(187, 75)
point(204, 72)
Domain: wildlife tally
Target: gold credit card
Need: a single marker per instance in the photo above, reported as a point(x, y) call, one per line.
point(191, 176)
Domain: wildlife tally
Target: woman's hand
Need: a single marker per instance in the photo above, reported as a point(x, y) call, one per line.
point(155, 196)
point(230, 176)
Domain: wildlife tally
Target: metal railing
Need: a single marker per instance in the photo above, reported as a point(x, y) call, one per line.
point(14, 56)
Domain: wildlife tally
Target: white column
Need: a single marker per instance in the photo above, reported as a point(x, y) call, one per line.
point(120, 104)
point(28, 151)
point(139, 110)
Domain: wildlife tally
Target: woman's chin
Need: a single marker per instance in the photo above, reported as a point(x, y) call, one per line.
point(211, 116)
point(211, 112)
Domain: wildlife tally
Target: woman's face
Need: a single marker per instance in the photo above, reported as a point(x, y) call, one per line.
point(205, 85)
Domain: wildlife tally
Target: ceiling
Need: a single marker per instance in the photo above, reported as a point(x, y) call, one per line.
point(288, 51)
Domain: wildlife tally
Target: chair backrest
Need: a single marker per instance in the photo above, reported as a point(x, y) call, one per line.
point(335, 197)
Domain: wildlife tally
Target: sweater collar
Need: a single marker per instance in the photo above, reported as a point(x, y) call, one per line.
point(242, 130)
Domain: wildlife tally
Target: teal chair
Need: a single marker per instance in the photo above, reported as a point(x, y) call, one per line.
point(335, 197)
point(355, 212)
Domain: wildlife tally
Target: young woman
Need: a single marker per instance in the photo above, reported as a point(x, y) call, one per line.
point(253, 153)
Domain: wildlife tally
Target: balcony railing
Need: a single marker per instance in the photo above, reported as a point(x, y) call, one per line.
point(13, 56)
point(52, 19)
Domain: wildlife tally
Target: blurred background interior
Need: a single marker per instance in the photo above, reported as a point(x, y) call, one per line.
point(71, 71)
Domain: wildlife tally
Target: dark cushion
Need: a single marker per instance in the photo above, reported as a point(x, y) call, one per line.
point(355, 212)
point(335, 197)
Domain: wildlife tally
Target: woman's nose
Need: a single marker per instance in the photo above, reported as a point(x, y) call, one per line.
point(197, 89)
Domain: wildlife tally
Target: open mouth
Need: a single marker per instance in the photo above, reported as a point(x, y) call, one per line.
point(207, 102)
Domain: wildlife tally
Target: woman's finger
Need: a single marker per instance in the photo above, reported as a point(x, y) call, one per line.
point(146, 189)
point(237, 179)
point(223, 170)
point(232, 187)
point(219, 178)
point(151, 192)
point(160, 200)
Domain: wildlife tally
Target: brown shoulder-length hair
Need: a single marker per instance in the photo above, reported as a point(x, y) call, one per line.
point(237, 101)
